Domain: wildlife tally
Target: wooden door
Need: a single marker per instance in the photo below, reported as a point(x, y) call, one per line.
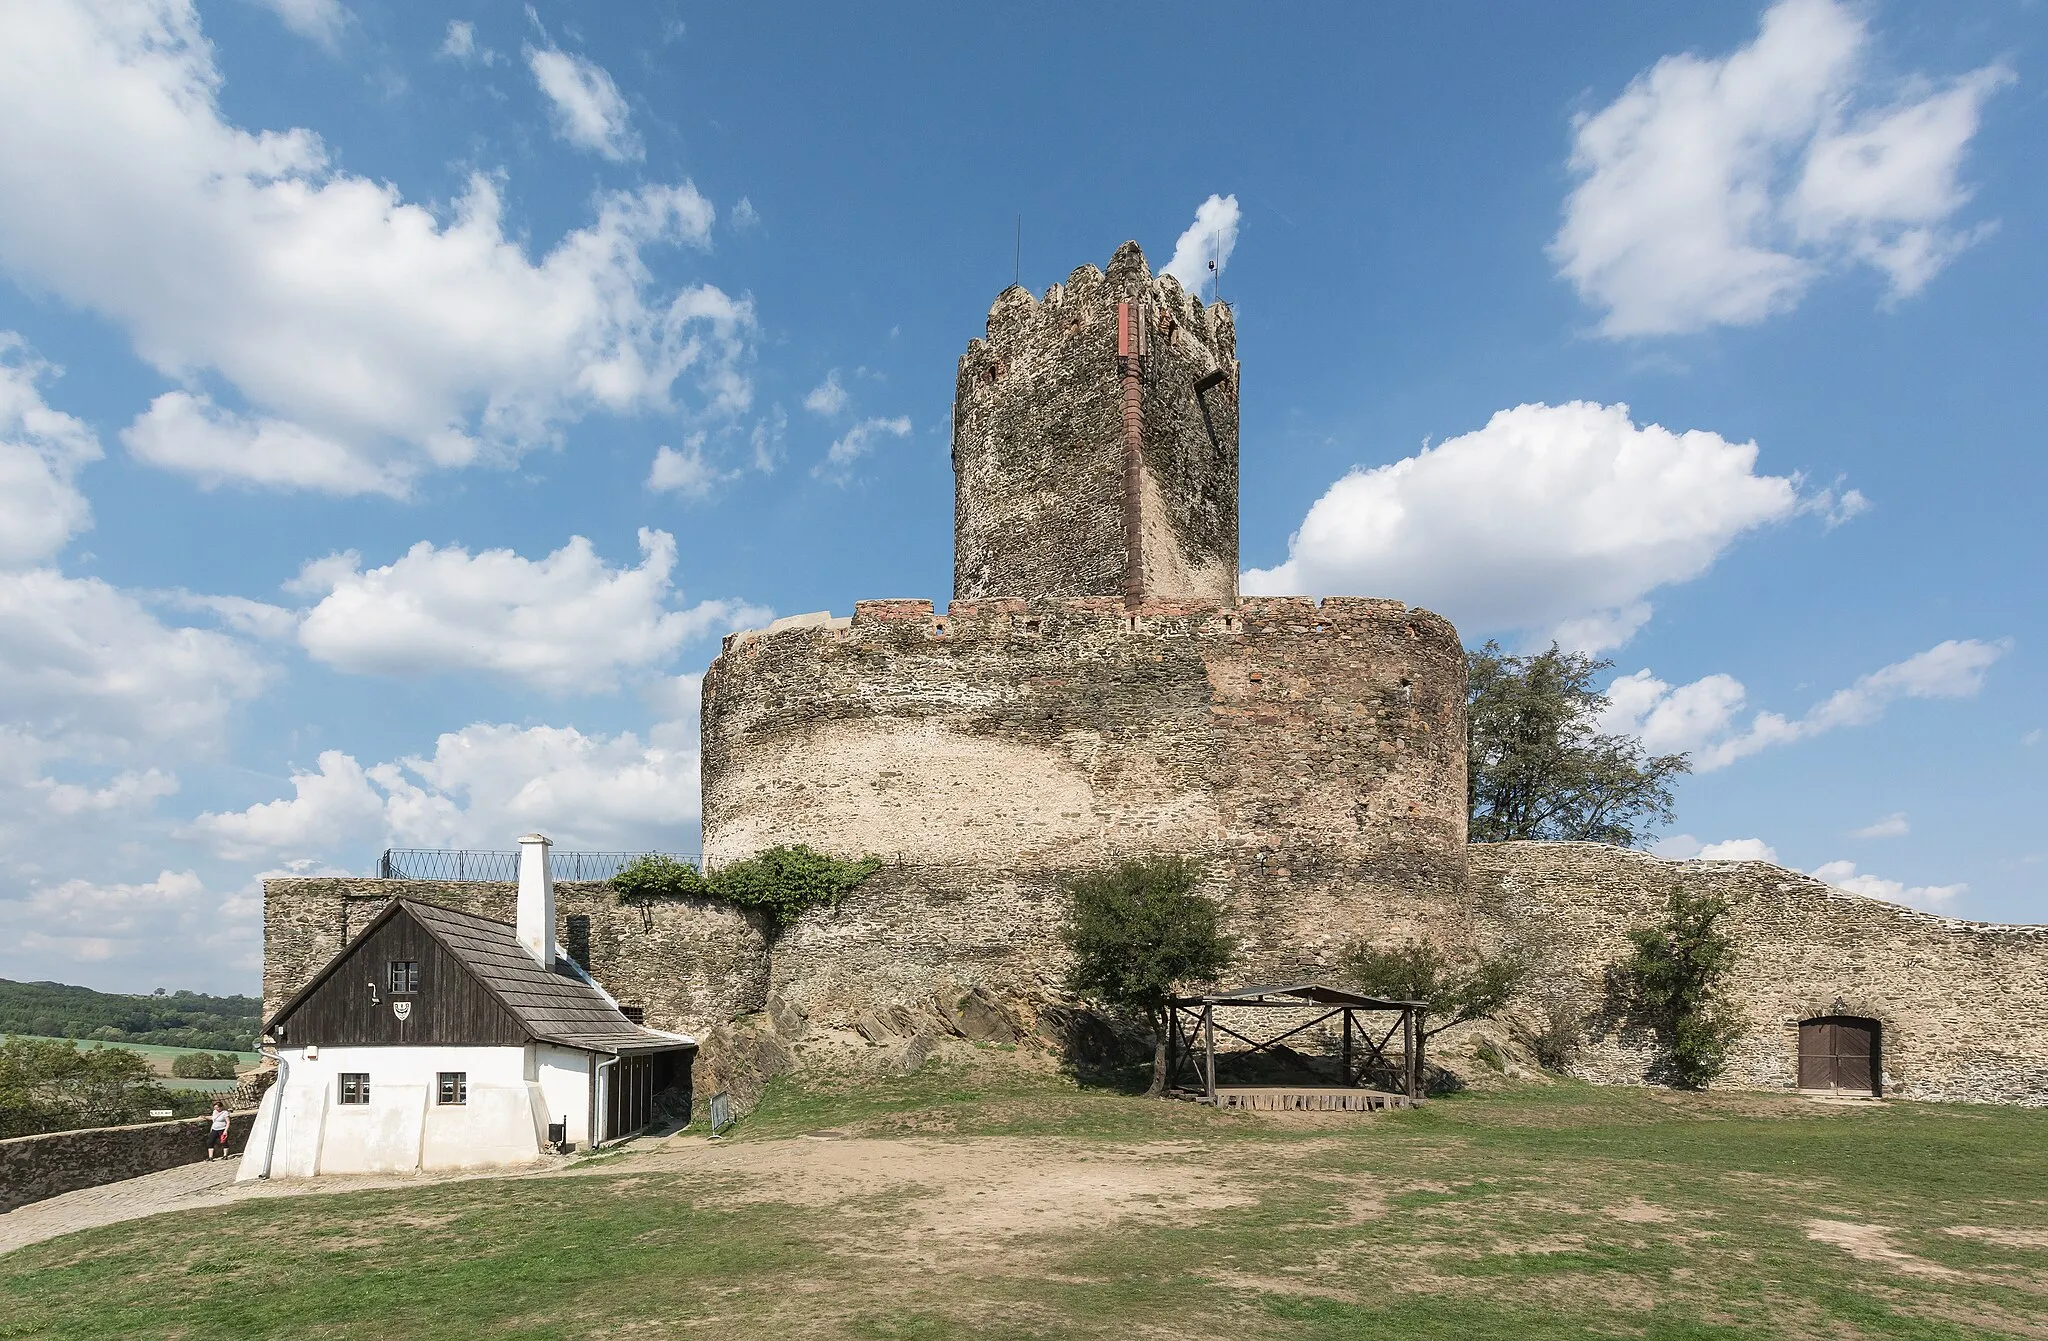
point(1839, 1053)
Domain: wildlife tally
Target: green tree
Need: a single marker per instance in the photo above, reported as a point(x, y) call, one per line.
point(1675, 977)
point(51, 1086)
point(204, 1066)
point(1538, 766)
point(1139, 930)
point(1475, 986)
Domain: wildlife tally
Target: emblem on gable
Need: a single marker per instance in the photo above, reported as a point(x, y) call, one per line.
point(402, 1009)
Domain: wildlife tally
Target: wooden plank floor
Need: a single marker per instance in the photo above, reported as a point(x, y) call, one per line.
point(1304, 1098)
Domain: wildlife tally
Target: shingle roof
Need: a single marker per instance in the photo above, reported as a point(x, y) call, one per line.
point(557, 1006)
point(1302, 991)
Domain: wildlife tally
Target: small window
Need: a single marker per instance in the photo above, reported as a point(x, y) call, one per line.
point(635, 1014)
point(405, 977)
point(454, 1088)
point(355, 1087)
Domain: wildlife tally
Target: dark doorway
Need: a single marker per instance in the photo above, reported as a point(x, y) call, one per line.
point(641, 1089)
point(1839, 1053)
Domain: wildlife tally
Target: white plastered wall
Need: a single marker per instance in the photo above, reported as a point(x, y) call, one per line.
point(510, 1092)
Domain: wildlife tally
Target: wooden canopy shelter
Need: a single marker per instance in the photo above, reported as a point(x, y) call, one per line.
point(1364, 1051)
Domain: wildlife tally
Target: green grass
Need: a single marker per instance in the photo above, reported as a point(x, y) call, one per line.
point(153, 1051)
point(1527, 1213)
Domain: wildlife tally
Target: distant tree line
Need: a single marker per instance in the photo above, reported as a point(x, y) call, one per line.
point(174, 1019)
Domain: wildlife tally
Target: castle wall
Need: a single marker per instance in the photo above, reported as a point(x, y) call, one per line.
point(1041, 499)
point(1963, 1005)
point(693, 963)
point(1313, 754)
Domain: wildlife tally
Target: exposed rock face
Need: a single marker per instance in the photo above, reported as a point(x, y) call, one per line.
point(1080, 470)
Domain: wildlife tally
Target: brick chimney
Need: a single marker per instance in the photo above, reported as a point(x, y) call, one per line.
point(537, 899)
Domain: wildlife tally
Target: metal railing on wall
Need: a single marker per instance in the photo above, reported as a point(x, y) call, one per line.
point(421, 863)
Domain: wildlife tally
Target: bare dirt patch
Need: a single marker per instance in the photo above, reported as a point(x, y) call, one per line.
point(1872, 1243)
point(1636, 1211)
point(2003, 1238)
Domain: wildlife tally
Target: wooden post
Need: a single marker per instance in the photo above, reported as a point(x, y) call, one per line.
point(1209, 1047)
point(1346, 1054)
point(1409, 1034)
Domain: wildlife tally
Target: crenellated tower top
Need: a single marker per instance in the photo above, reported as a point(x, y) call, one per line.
point(1095, 443)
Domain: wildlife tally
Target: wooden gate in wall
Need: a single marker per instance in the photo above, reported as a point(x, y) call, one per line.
point(1839, 1053)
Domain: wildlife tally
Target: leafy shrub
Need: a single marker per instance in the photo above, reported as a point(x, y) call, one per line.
point(1556, 1036)
point(204, 1066)
point(1138, 930)
point(1676, 974)
point(1472, 987)
point(781, 883)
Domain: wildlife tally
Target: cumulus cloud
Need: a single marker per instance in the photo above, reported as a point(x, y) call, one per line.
point(827, 397)
point(565, 623)
point(319, 21)
point(1714, 191)
point(460, 44)
point(88, 672)
point(855, 443)
point(368, 339)
point(588, 110)
point(1685, 847)
point(1930, 898)
point(745, 218)
point(1893, 825)
point(1210, 238)
point(41, 452)
point(480, 787)
point(1703, 718)
point(684, 471)
point(1557, 519)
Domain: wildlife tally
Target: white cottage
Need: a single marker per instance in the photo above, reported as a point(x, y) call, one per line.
point(440, 1040)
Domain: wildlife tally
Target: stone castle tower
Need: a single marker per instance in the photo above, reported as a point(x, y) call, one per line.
point(1095, 443)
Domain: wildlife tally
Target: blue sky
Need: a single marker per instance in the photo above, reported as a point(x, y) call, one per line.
point(397, 402)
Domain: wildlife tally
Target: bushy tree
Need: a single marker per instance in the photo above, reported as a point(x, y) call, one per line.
point(1139, 930)
point(1675, 975)
point(204, 1066)
point(1537, 764)
point(1474, 986)
point(53, 1086)
point(782, 883)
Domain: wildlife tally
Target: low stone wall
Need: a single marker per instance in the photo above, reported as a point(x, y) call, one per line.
point(35, 1167)
point(1963, 1006)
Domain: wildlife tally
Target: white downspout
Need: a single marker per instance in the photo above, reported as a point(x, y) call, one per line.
point(284, 1075)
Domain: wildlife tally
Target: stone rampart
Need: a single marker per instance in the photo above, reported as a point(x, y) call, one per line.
point(1963, 1006)
point(1313, 754)
point(35, 1167)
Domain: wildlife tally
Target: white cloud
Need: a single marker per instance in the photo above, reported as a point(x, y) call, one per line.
point(1931, 898)
point(2032, 737)
point(41, 452)
point(745, 217)
point(1715, 191)
point(393, 339)
point(1558, 519)
point(827, 397)
point(1685, 847)
point(1211, 237)
point(126, 791)
point(685, 471)
point(1893, 825)
point(588, 111)
point(1703, 718)
point(766, 440)
point(857, 442)
point(319, 21)
point(566, 623)
point(460, 45)
point(327, 807)
point(89, 673)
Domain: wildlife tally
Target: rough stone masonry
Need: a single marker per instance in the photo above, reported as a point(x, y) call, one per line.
point(1097, 687)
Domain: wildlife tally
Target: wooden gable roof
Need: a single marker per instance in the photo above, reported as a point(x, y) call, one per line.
point(478, 985)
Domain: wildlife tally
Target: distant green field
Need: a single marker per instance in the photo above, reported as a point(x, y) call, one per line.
point(151, 1050)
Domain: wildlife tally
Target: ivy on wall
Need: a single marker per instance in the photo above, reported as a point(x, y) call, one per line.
point(782, 883)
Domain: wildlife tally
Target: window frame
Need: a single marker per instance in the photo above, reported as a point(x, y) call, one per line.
point(444, 1081)
point(405, 984)
point(353, 1089)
